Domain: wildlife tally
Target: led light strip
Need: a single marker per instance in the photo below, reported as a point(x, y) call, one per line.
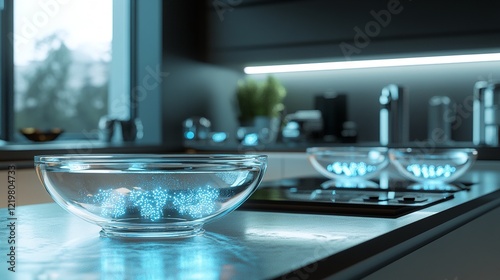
point(375, 63)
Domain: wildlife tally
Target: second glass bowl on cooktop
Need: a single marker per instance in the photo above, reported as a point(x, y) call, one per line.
point(434, 166)
point(349, 166)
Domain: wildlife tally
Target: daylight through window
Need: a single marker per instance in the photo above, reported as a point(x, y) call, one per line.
point(62, 57)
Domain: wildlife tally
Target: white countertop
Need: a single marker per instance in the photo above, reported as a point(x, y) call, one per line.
point(53, 244)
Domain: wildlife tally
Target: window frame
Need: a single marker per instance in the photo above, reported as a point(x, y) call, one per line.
point(140, 17)
point(6, 71)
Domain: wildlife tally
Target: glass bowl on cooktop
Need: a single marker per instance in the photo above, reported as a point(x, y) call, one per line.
point(431, 167)
point(150, 196)
point(348, 166)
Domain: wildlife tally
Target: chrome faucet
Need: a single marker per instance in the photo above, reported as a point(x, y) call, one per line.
point(478, 125)
point(394, 115)
point(492, 114)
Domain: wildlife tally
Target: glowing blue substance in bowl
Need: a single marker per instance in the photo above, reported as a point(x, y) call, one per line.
point(432, 167)
point(430, 171)
point(348, 164)
point(150, 195)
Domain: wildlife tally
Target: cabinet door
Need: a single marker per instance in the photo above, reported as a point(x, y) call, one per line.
point(242, 32)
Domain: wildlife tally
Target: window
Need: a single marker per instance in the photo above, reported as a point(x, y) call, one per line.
point(66, 63)
point(61, 63)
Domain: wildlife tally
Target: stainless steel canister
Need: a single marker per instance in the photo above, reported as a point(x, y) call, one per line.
point(439, 125)
point(478, 125)
point(491, 114)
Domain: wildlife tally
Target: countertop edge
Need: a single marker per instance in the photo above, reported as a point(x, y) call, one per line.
point(366, 258)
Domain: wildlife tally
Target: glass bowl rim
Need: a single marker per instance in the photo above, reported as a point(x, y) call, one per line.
point(150, 158)
point(431, 152)
point(349, 149)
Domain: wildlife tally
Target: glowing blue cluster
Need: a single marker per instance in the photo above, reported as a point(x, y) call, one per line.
point(113, 203)
point(150, 203)
point(196, 203)
point(351, 169)
point(431, 171)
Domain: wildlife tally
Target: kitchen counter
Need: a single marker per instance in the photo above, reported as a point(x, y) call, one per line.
point(53, 244)
point(22, 154)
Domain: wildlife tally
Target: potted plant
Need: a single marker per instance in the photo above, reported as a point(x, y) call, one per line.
point(260, 105)
point(259, 100)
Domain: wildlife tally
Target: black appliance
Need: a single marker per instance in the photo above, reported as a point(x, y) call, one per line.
point(333, 108)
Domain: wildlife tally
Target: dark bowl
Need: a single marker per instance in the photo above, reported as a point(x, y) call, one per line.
point(38, 135)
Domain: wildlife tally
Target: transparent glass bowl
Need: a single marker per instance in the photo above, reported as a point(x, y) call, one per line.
point(348, 166)
point(158, 196)
point(436, 166)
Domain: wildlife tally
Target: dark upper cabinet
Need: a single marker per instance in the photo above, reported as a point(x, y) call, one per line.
point(241, 32)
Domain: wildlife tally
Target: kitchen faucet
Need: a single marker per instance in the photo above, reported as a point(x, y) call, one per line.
point(394, 115)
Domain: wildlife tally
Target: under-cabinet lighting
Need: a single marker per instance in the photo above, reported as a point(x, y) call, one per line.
point(374, 63)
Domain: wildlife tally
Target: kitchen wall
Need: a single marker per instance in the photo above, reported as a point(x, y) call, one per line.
point(193, 87)
point(197, 89)
point(202, 79)
point(363, 87)
point(243, 32)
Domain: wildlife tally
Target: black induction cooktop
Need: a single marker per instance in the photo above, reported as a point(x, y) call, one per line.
point(306, 195)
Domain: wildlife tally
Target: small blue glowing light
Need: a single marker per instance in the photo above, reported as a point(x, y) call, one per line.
point(431, 171)
point(351, 169)
point(197, 202)
point(251, 139)
point(189, 135)
point(219, 137)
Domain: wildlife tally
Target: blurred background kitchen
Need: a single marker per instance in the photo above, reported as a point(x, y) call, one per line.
point(167, 73)
point(208, 51)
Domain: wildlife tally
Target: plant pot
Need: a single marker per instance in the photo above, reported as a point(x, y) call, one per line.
point(267, 128)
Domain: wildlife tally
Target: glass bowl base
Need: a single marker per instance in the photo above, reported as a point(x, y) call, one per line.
point(351, 184)
point(435, 186)
point(163, 233)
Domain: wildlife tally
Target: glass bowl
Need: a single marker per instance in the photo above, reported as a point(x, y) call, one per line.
point(158, 196)
point(436, 166)
point(348, 166)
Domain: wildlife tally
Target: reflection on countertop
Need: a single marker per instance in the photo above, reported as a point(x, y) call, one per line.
point(244, 244)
